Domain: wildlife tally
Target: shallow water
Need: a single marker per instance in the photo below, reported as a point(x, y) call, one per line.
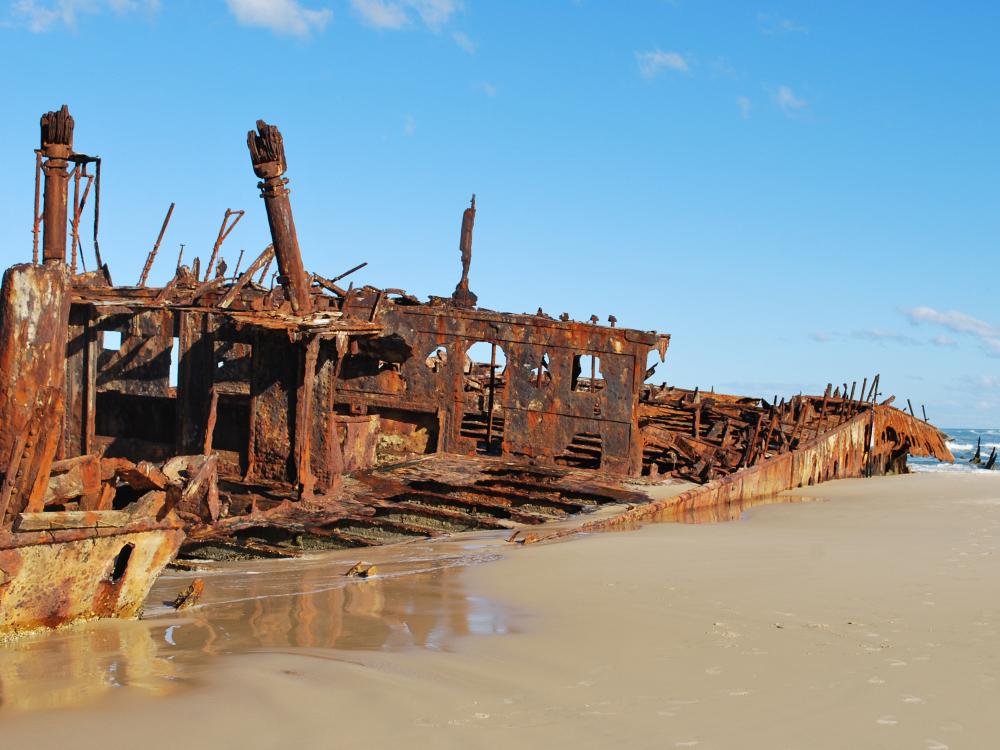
point(416, 600)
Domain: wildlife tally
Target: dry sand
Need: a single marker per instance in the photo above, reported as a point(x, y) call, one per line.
point(867, 618)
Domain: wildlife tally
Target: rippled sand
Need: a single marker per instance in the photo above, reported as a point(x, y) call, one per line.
point(866, 618)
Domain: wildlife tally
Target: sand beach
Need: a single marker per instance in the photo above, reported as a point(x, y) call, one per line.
point(861, 613)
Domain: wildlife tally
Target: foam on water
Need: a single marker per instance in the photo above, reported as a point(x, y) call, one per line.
point(962, 443)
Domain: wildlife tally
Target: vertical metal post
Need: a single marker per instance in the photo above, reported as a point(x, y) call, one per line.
point(493, 384)
point(57, 146)
point(38, 203)
point(267, 154)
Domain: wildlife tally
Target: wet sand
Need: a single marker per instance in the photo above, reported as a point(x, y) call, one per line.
point(866, 616)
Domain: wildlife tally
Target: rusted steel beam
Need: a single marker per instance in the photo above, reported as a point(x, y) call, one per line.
point(267, 154)
point(57, 146)
point(156, 247)
point(303, 416)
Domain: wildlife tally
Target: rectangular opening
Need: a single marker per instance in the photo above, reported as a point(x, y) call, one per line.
point(175, 353)
point(111, 340)
point(587, 375)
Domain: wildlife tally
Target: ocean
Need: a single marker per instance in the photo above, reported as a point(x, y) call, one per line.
point(962, 444)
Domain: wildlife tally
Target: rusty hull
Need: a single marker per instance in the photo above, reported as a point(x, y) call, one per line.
point(350, 417)
point(52, 578)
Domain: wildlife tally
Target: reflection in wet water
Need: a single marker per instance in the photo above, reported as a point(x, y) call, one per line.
point(417, 600)
point(686, 513)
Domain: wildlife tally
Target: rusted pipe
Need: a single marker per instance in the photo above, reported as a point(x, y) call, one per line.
point(57, 146)
point(267, 154)
point(38, 204)
point(97, 212)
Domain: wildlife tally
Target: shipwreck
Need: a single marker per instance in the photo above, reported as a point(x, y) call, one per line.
point(224, 415)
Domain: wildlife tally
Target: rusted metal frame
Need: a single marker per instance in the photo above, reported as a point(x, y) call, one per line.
point(79, 204)
point(90, 381)
point(97, 212)
point(156, 247)
point(234, 291)
point(336, 452)
point(195, 378)
point(83, 205)
point(251, 469)
point(38, 204)
point(303, 416)
point(210, 422)
point(751, 446)
point(75, 221)
point(223, 234)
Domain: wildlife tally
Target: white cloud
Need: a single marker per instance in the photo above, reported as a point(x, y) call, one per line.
point(380, 14)
point(651, 63)
point(953, 320)
point(41, 15)
point(409, 124)
point(944, 341)
point(772, 25)
point(487, 88)
point(958, 322)
point(788, 101)
point(463, 41)
point(397, 14)
point(745, 106)
point(281, 16)
point(820, 337)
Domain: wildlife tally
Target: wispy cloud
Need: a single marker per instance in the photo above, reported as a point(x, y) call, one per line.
point(487, 88)
point(944, 341)
point(653, 62)
point(820, 337)
point(280, 16)
point(788, 101)
point(880, 336)
point(956, 321)
point(745, 106)
point(398, 14)
point(409, 124)
point(463, 41)
point(772, 25)
point(42, 15)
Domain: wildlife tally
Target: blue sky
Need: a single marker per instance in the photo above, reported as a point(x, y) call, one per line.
point(798, 192)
